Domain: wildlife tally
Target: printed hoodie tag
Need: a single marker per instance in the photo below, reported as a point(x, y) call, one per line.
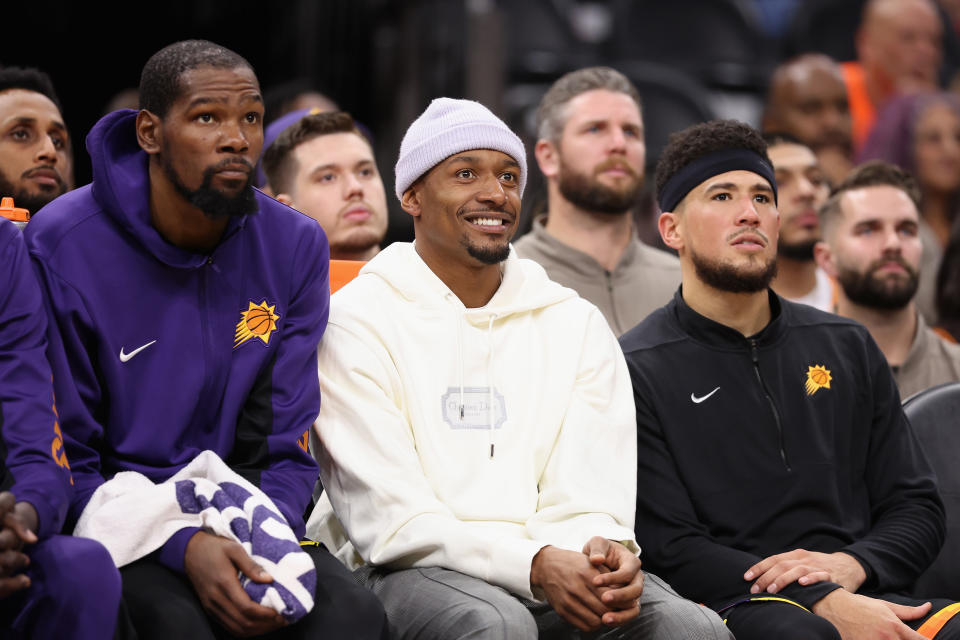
point(476, 409)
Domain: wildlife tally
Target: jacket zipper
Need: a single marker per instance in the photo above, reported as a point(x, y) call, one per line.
point(773, 407)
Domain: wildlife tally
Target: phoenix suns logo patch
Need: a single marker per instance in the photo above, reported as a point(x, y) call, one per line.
point(818, 377)
point(258, 321)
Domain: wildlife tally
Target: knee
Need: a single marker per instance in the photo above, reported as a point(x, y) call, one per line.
point(80, 571)
point(813, 628)
point(508, 620)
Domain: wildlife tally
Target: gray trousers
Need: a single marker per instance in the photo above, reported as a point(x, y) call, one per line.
point(439, 604)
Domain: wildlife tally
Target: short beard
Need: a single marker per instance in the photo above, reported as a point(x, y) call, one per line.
point(869, 291)
point(588, 194)
point(32, 202)
point(725, 277)
point(487, 255)
point(213, 202)
point(800, 251)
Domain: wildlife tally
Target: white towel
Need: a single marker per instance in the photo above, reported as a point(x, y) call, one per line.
point(133, 517)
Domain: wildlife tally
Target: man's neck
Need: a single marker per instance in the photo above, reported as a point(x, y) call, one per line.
point(894, 331)
point(473, 284)
point(179, 222)
point(364, 255)
point(602, 236)
point(795, 278)
point(747, 313)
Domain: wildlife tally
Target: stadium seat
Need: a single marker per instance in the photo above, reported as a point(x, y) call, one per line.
point(343, 271)
point(933, 414)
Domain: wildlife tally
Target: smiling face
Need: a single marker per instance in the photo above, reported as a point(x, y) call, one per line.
point(211, 137)
point(598, 161)
point(466, 208)
point(874, 250)
point(34, 149)
point(338, 185)
point(726, 230)
point(801, 190)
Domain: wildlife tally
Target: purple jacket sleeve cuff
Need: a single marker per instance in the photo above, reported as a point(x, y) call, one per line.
point(171, 554)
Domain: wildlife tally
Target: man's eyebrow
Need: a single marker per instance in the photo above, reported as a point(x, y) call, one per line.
point(27, 120)
point(202, 100)
point(461, 158)
point(325, 167)
point(730, 186)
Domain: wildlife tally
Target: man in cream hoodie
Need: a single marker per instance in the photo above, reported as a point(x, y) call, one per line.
point(477, 437)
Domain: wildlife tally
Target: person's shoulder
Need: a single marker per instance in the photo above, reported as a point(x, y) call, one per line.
point(805, 316)
point(65, 217)
point(656, 330)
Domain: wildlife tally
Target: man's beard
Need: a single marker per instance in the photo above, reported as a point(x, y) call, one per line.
point(213, 202)
point(32, 202)
point(726, 277)
point(486, 255)
point(587, 193)
point(799, 251)
point(867, 290)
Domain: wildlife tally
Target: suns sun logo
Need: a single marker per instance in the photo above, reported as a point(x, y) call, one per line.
point(258, 321)
point(818, 377)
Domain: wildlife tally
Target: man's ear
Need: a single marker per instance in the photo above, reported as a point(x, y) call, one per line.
point(410, 201)
point(823, 255)
point(284, 198)
point(670, 224)
point(548, 157)
point(149, 132)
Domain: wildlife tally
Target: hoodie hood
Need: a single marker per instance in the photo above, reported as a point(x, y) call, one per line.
point(121, 185)
point(525, 286)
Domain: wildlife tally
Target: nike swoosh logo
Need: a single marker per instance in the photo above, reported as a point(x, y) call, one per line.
point(126, 356)
point(697, 400)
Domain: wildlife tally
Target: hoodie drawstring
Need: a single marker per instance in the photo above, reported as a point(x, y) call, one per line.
point(491, 431)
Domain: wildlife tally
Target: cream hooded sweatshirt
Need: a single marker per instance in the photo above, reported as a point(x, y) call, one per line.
point(471, 438)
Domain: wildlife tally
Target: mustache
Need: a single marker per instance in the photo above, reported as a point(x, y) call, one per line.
point(876, 265)
point(754, 232)
point(615, 163)
point(464, 211)
point(230, 162)
point(43, 167)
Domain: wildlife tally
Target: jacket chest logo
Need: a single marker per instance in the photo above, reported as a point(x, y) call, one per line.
point(258, 321)
point(472, 409)
point(818, 377)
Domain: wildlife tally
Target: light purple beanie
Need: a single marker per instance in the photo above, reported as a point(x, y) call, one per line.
point(450, 126)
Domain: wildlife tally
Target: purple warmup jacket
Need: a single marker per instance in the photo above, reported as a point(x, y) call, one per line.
point(159, 353)
point(32, 461)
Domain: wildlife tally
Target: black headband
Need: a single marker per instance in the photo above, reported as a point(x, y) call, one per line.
point(683, 181)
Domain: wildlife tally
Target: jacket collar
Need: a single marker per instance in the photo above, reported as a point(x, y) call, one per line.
point(712, 333)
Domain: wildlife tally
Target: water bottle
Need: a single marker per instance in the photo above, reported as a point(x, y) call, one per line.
point(20, 217)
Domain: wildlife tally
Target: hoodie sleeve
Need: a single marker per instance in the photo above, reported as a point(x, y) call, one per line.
point(678, 546)
point(376, 484)
point(582, 494)
point(71, 343)
point(270, 448)
point(29, 433)
point(907, 512)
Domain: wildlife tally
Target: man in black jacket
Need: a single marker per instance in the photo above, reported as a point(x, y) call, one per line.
point(778, 480)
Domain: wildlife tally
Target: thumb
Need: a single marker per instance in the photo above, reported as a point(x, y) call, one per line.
point(245, 564)
point(596, 549)
point(909, 613)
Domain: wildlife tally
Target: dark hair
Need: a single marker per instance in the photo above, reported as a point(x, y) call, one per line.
point(701, 139)
point(29, 79)
point(160, 79)
point(278, 161)
point(875, 173)
point(551, 114)
point(776, 138)
point(948, 284)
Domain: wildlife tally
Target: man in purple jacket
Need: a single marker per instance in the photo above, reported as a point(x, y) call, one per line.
point(51, 586)
point(186, 309)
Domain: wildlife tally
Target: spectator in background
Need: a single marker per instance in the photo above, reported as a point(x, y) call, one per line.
point(921, 134)
point(591, 152)
point(808, 100)
point(872, 248)
point(51, 586)
point(185, 309)
point(899, 51)
point(36, 164)
point(780, 482)
point(324, 166)
point(801, 189)
point(294, 95)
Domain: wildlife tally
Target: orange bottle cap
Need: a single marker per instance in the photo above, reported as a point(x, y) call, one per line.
point(10, 212)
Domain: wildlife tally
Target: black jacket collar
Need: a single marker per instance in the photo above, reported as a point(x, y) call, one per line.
point(710, 332)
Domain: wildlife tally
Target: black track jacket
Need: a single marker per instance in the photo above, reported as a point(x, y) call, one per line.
point(792, 438)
